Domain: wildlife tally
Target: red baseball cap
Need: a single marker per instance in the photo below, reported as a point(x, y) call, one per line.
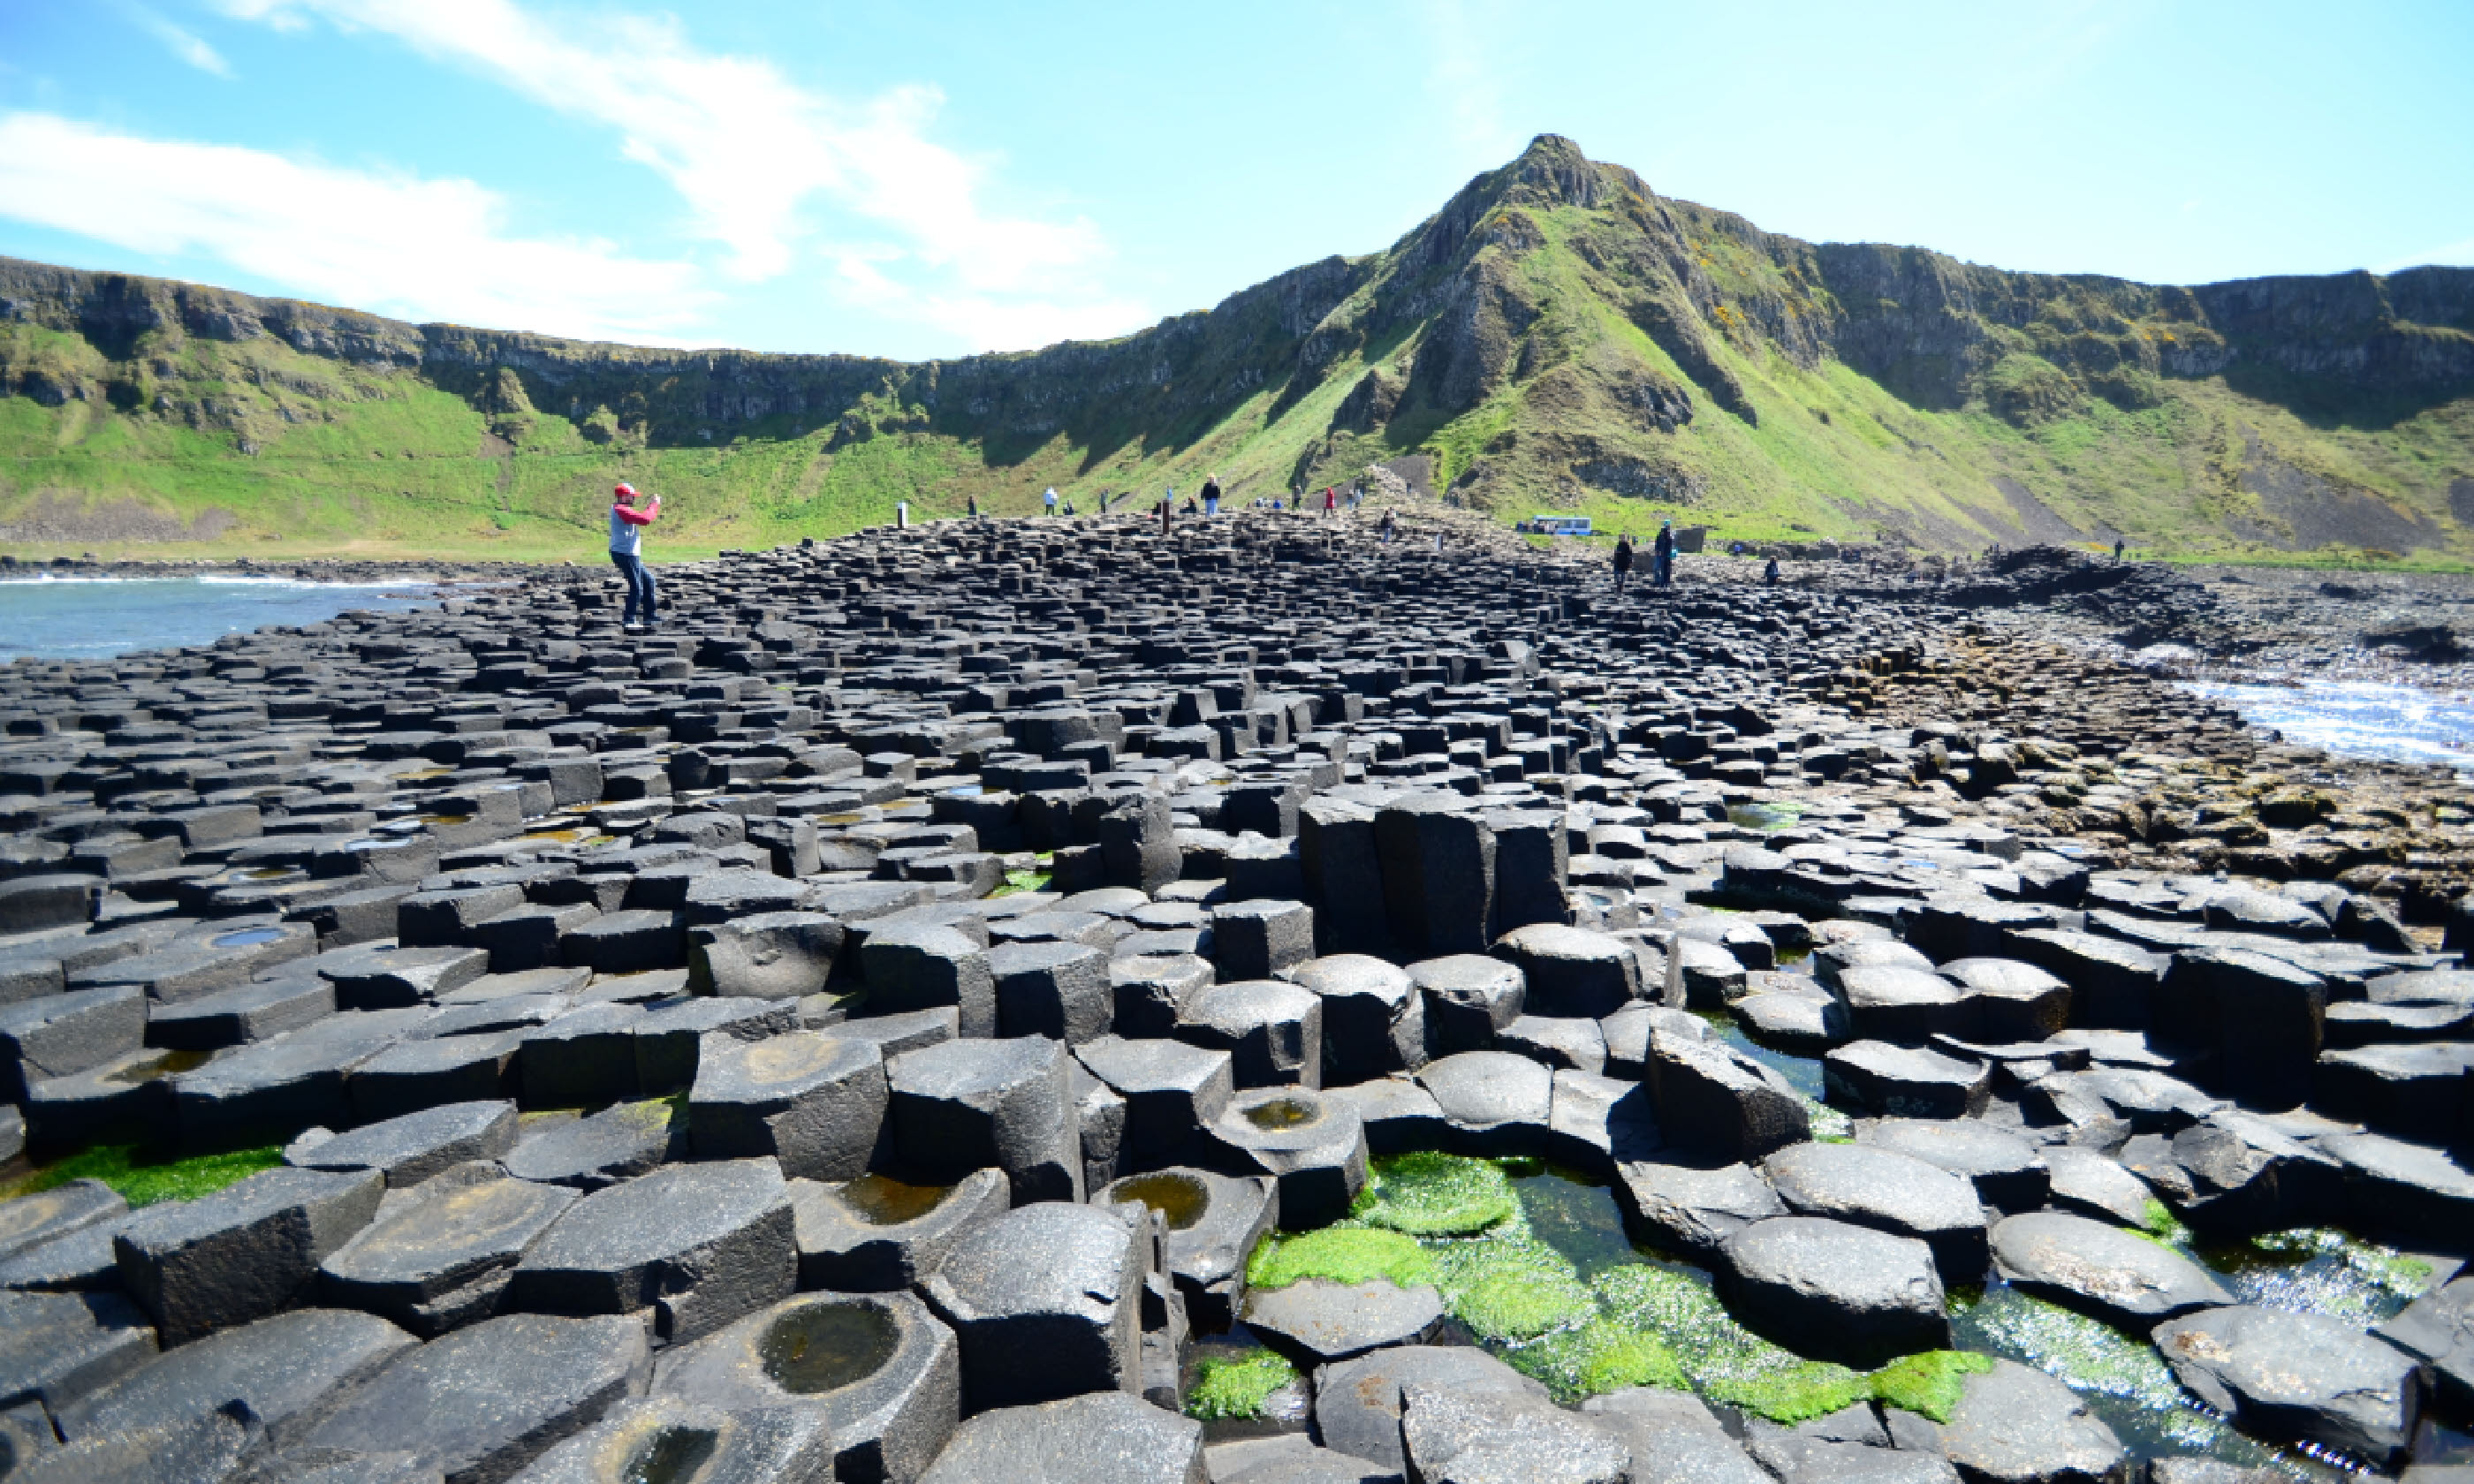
point(629, 490)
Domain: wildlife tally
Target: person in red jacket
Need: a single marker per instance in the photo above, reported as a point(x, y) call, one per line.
point(627, 553)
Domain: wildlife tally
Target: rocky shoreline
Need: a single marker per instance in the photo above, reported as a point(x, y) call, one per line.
point(954, 999)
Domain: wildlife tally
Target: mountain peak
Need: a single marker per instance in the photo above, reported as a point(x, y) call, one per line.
point(1553, 171)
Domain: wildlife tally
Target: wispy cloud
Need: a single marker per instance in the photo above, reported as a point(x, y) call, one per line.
point(421, 248)
point(2459, 253)
point(184, 44)
point(756, 157)
point(1461, 76)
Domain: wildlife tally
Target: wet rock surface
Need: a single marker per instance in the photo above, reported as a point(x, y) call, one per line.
point(907, 1017)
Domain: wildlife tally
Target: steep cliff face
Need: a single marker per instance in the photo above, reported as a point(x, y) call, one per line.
point(1558, 335)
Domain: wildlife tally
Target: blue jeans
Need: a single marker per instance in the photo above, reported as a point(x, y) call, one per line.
point(639, 585)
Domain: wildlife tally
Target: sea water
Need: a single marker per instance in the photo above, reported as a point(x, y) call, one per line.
point(2358, 719)
point(95, 617)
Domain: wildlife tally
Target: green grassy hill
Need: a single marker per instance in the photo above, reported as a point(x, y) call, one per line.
point(1556, 338)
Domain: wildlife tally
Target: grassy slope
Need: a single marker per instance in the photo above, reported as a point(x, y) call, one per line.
point(349, 461)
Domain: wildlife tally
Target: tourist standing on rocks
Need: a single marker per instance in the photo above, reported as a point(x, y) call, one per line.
point(2117, 551)
point(1624, 561)
point(1212, 494)
point(1050, 499)
point(1330, 501)
point(1770, 573)
point(626, 552)
point(1389, 522)
point(1663, 555)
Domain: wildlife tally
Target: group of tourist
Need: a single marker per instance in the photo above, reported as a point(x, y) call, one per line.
point(1661, 559)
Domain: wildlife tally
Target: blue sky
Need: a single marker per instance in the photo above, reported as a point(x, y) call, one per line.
point(918, 181)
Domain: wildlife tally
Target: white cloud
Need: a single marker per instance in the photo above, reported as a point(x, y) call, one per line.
point(751, 153)
point(186, 45)
point(421, 248)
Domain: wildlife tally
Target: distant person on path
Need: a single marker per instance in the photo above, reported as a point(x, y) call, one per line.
point(1663, 555)
point(1212, 494)
point(2117, 551)
point(1770, 573)
point(627, 554)
point(1387, 524)
point(1330, 501)
point(1052, 499)
point(974, 507)
point(1624, 561)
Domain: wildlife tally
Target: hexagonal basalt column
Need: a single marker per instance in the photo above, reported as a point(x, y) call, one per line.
point(968, 1105)
point(698, 1244)
point(815, 1102)
point(1047, 1302)
point(884, 1372)
point(670, 1439)
point(1213, 1223)
point(1314, 1145)
point(874, 1234)
point(442, 1259)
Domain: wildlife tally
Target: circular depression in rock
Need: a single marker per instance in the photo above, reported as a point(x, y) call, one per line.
point(824, 1347)
point(1283, 1113)
point(889, 1203)
point(671, 1457)
point(1180, 1198)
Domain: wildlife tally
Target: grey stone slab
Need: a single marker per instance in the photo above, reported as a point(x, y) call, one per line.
point(56, 1348)
point(1455, 1437)
point(1311, 1142)
point(2118, 1275)
point(409, 1149)
point(2014, 1425)
point(479, 1404)
point(1046, 1301)
point(1103, 1438)
point(1373, 1017)
point(282, 1367)
point(1834, 1290)
point(652, 1437)
point(441, 1259)
point(1692, 1210)
point(2439, 1329)
point(813, 1100)
point(1358, 1402)
point(1318, 1321)
point(1720, 1103)
point(1173, 1091)
point(2006, 1170)
point(699, 1245)
point(872, 1233)
point(618, 1143)
point(2301, 1378)
point(883, 1371)
point(1888, 1191)
point(247, 1250)
point(28, 1221)
point(975, 1103)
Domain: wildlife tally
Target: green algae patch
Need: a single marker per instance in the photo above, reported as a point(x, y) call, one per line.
point(1511, 1287)
point(145, 1180)
point(2091, 1357)
point(2159, 1222)
point(1339, 1254)
point(1792, 1394)
point(1426, 1194)
point(1725, 1361)
point(1929, 1384)
point(1603, 1356)
point(1238, 1385)
point(2317, 1270)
